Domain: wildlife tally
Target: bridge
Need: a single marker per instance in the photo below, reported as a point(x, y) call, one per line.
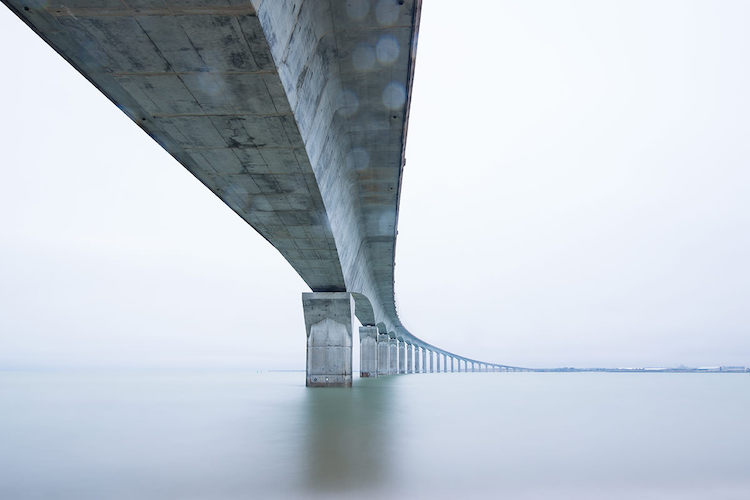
point(294, 113)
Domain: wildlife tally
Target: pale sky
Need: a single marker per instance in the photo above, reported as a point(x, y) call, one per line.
point(576, 193)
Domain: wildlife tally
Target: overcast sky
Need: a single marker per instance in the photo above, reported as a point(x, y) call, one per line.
point(576, 193)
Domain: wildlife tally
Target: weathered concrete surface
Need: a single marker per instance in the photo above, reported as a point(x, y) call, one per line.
point(401, 357)
point(384, 354)
point(393, 356)
point(368, 351)
point(409, 358)
point(293, 112)
point(417, 359)
point(432, 362)
point(328, 324)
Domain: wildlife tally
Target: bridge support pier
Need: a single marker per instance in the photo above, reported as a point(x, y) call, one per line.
point(417, 356)
point(393, 356)
point(328, 326)
point(409, 358)
point(424, 360)
point(402, 357)
point(432, 362)
point(384, 351)
point(368, 351)
point(439, 356)
point(452, 367)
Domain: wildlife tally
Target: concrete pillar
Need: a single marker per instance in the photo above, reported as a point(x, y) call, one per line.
point(452, 367)
point(472, 366)
point(432, 362)
point(409, 358)
point(328, 327)
point(393, 346)
point(445, 363)
point(424, 360)
point(368, 351)
point(417, 358)
point(402, 357)
point(439, 359)
point(384, 351)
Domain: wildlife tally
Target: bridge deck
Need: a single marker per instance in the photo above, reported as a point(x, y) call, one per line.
point(293, 113)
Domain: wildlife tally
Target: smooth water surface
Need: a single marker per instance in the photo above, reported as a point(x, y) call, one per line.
point(236, 435)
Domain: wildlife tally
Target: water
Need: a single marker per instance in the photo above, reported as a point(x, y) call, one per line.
point(234, 435)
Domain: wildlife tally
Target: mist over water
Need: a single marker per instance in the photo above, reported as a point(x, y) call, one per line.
point(232, 435)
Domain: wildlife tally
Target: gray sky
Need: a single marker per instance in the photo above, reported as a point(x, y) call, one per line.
point(576, 193)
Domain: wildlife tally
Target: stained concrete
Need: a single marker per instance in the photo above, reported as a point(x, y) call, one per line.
point(393, 356)
point(401, 357)
point(328, 324)
point(368, 351)
point(384, 354)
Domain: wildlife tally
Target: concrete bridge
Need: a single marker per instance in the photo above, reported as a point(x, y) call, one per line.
point(294, 113)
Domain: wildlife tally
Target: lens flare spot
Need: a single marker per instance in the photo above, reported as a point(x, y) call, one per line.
point(394, 95)
point(387, 49)
point(348, 103)
point(358, 159)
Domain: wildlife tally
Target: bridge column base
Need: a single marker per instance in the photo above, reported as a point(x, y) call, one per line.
point(368, 351)
point(328, 325)
point(393, 356)
point(384, 358)
point(401, 357)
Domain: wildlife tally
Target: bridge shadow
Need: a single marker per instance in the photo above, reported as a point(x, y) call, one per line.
point(348, 436)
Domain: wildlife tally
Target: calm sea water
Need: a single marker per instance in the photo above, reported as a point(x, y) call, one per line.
point(233, 435)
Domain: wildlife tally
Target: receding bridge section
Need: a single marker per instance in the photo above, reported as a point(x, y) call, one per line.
point(294, 113)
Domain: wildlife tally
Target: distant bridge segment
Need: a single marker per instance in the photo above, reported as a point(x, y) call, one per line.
point(293, 113)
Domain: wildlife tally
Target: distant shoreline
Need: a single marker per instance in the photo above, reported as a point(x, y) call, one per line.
point(717, 369)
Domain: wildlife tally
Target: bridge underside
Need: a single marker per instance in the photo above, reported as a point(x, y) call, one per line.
point(293, 113)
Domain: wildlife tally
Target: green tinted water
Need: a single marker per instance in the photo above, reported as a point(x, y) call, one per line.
point(230, 435)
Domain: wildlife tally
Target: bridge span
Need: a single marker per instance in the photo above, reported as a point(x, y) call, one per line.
point(294, 113)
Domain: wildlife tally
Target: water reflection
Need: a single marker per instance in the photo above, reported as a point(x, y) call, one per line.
point(348, 434)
